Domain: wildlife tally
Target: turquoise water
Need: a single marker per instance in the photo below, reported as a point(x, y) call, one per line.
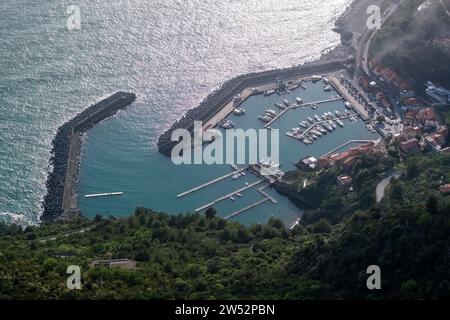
point(170, 53)
point(116, 158)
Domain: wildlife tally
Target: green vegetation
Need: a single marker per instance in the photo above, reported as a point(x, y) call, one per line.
point(197, 257)
point(416, 43)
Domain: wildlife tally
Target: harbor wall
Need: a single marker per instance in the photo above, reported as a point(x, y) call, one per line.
point(222, 96)
point(60, 200)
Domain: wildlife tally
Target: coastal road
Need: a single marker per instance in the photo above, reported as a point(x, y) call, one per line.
point(362, 50)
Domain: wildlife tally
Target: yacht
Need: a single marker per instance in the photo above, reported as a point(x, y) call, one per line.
point(316, 133)
point(226, 124)
point(340, 123)
point(327, 126)
point(299, 100)
point(321, 130)
point(265, 118)
point(327, 88)
point(234, 166)
point(316, 117)
point(239, 111)
point(338, 114)
point(280, 106)
point(314, 106)
point(332, 124)
point(269, 92)
point(303, 124)
point(286, 102)
point(271, 112)
point(311, 120)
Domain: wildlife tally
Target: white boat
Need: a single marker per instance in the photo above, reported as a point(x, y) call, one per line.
point(232, 198)
point(314, 106)
point(286, 102)
point(280, 106)
point(299, 100)
point(316, 78)
point(269, 92)
point(340, 123)
point(235, 167)
point(316, 133)
point(316, 117)
point(332, 124)
point(265, 118)
point(327, 88)
point(327, 126)
point(311, 120)
point(338, 114)
point(226, 124)
point(303, 124)
point(239, 111)
point(239, 195)
point(321, 130)
point(271, 112)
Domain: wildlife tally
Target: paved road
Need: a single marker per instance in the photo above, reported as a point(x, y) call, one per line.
point(381, 187)
point(362, 51)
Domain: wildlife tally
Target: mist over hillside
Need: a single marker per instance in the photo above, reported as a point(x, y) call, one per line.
point(416, 42)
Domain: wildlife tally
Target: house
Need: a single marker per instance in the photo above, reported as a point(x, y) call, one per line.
point(411, 146)
point(410, 118)
point(412, 132)
point(445, 189)
point(428, 118)
point(436, 140)
point(114, 263)
point(345, 182)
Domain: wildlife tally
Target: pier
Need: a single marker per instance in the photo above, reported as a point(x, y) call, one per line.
point(206, 206)
point(207, 184)
point(298, 106)
point(234, 214)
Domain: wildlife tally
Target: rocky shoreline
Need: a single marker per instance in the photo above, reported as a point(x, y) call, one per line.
point(65, 158)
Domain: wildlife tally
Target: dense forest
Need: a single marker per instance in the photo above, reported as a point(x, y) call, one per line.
point(415, 42)
point(197, 256)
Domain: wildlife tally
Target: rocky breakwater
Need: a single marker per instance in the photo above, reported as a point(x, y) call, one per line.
point(60, 200)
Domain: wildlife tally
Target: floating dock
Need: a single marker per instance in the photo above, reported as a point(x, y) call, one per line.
point(211, 182)
point(206, 206)
point(302, 105)
point(108, 194)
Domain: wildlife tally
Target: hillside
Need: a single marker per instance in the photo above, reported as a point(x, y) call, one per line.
point(196, 257)
point(415, 42)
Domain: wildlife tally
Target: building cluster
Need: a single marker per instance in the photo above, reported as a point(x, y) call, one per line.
point(410, 141)
point(346, 159)
point(437, 95)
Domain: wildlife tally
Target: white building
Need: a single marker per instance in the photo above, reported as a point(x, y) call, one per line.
point(437, 94)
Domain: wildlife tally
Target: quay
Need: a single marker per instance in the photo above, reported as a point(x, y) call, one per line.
point(207, 184)
point(337, 85)
point(346, 144)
